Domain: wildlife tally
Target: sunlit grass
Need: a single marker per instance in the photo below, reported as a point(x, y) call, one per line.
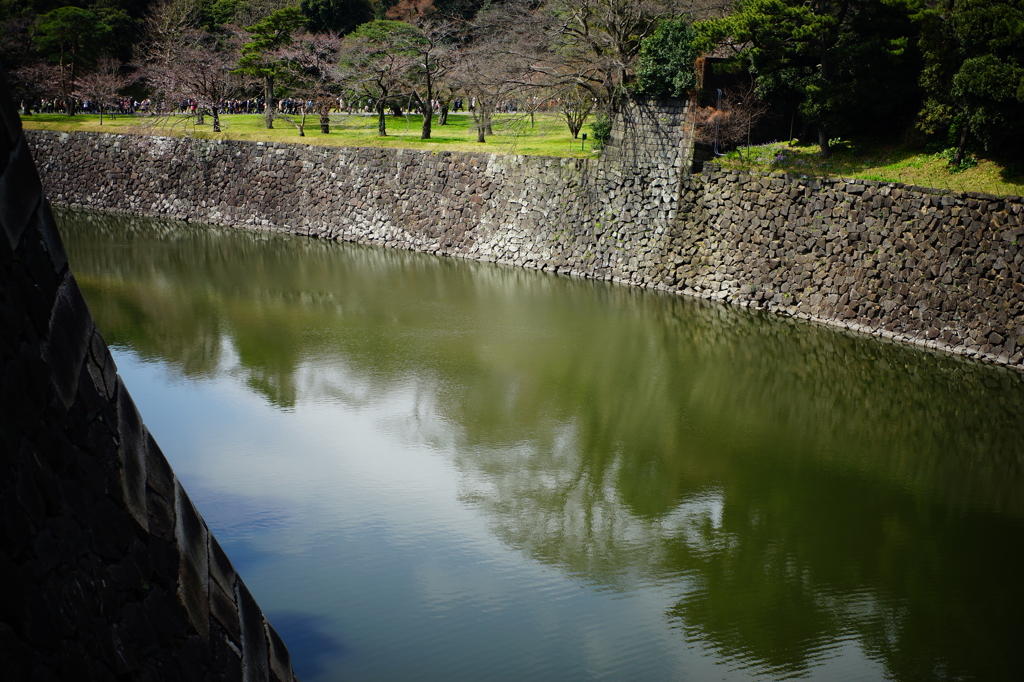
point(542, 135)
point(879, 162)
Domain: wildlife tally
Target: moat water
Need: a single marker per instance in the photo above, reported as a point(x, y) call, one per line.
point(430, 469)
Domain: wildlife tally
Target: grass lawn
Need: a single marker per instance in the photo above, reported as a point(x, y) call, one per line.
point(885, 163)
point(547, 135)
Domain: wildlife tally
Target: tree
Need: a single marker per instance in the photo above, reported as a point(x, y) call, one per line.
point(312, 72)
point(599, 41)
point(665, 66)
point(336, 16)
point(375, 62)
point(105, 84)
point(70, 37)
point(973, 74)
point(17, 48)
point(732, 118)
point(165, 28)
point(180, 62)
point(259, 55)
point(118, 41)
point(576, 103)
point(434, 58)
point(491, 73)
point(33, 81)
point(503, 57)
point(201, 72)
point(838, 63)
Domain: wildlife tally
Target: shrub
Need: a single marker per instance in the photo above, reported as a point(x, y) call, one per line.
point(602, 129)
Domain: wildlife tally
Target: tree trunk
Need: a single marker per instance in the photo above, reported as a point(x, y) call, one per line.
point(826, 150)
point(427, 111)
point(427, 104)
point(486, 110)
point(442, 116)
point(325, 120)
point(216, 119)
point(961, 147)
point(382, 129)
point(479, 124)
point(269, 112)
point(428, 116)
point(71, 89)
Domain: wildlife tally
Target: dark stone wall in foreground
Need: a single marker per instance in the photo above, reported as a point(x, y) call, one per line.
point(107, 571)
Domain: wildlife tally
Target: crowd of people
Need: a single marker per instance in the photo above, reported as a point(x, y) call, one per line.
point(287, 106)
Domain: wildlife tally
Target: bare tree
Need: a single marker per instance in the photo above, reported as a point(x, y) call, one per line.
point(435, 58)
point(495, 67)
point(29, 77)
point(33, 81)
point(575, 103)
point(104, 85)
point(731, 119)
point(195, 67)
point(375, 62)
point(183, 63)
point(445, 92)
point(311, 66)
point(590, 44)
point(165, 26)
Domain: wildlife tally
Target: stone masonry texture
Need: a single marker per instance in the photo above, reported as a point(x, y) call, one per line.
point(107, 571)
point(936, 269)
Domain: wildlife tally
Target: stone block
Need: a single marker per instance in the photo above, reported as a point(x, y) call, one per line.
point(192, 538)
point(70, 329)
point(131, 456)
point(161, 515)
point(159, 476)
point(20, 192)
point(47, 229)
point(221, 570)
point(280, 661)
point(106, 370)
point(225, 611)
point(255, 654)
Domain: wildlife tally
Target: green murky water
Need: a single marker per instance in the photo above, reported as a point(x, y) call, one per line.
point(432, 469)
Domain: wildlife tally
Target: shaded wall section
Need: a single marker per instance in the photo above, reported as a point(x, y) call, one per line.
point(106, 568)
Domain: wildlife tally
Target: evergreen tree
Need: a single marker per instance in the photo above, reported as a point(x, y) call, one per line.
point(973, 75)
point(71, 38)
point(838, 63)
point(258, 55)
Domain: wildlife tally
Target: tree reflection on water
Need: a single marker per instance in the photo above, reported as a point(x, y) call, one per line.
point(796, 488)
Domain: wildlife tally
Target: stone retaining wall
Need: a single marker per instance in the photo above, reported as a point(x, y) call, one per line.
point(937, 269)
point(106, 568)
